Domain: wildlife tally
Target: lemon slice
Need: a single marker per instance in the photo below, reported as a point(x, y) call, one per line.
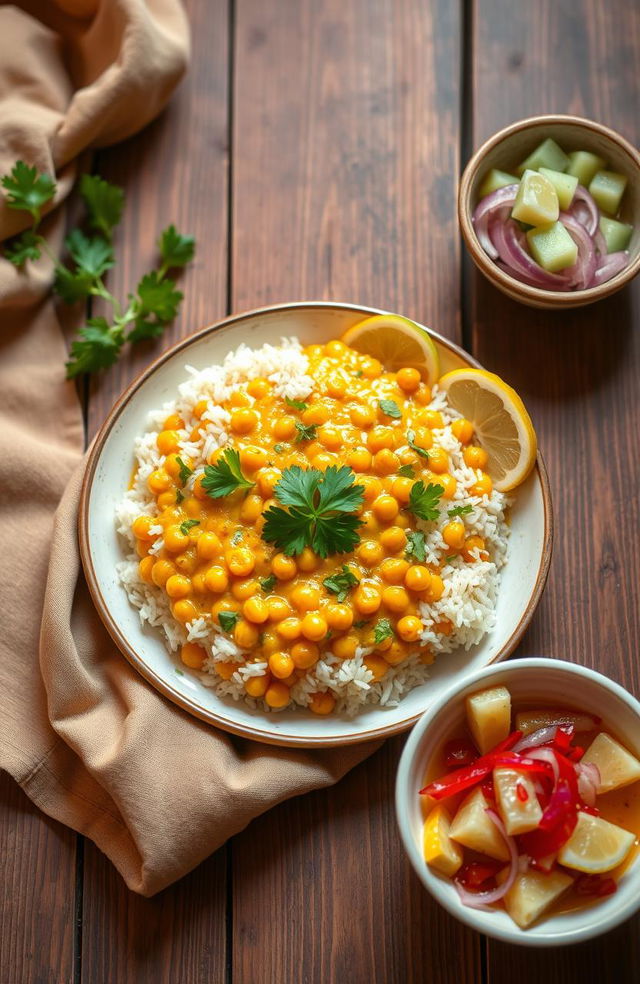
point(396, 342)
point(596, 845)
point(501, 422)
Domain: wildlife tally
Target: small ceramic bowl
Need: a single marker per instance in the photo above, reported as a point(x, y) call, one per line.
point(504, 151)
point(534, 679)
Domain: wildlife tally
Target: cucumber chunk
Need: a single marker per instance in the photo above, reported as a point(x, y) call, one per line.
point(552, 247)
point(616, 234)
point(496, 179)
point(536, 201)
point(565, 185)
point(584, 165)
point(547, 154)
point(607, 189)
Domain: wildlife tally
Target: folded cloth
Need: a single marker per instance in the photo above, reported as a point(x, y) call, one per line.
point(89, 740)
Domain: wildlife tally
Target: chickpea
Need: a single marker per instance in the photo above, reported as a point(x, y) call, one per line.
point(145, 567)
point(471, 545)
point(305, 597)
point(251, 508)
point(395, 599)
point(240, 561)
point(475, 457)
point(255, 610)
point(178, 586)
point(184, 610)
point(393, 570)
point(198, 491)
point(344, 647)
point(284, 428)
point(367, 599)
point(409, 628)
point(278, 609)
point(314, 627)
point(168, 441)
point(257, 686)
point(223, 605)
point(173, 422)
point(397, 651)
point(142, 548)
point(385, 508)
point(216, 579)
point(141, 527)
point(166, 499)
point(336, 385)
point(432, 419)
point(193, 655)
point(362, 416)
point(385, 462)
point(393, 539)
point(186, 562)
point(239, 399)
point(245, 634)
point(423, 438)
point(322, 703)
point(418, 578)
point(377, 665)
point(324, 460)
point(290, 628)
point(317, 413)
point(225, 669)
point(258, 388)
point(438, 460)
point(208, 546)
point(158, 481)
point(401, 489)
point(335, 349)
point(462, 429)
point(339, 616)
point(408, 379)
point(284, 567)
point(359, 459)
point(281, 665)
point(483, 486)
point(435, 590)
point(243, 420)
point(423, 394)
point(253, 457)
point(381, 437)
point(198, 583)
point(453, 534)
point(370, 368)
point(372, 487)
point(161, 572)
point(267, 479)
point(369, 553)
point(449, 485)
point(308, 560)
point(304, 655)
point(277, 694)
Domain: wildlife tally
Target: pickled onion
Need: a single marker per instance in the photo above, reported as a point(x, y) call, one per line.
point(480, 900)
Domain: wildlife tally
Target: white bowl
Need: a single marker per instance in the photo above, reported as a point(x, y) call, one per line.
point(108, 471)
point(527, 679)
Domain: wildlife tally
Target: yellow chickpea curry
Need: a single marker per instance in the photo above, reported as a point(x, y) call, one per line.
point(282, 609)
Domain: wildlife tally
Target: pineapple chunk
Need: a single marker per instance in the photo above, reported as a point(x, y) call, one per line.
point(565, 185)
point(616, 234)
point(552, 247)
point(616, 765)
point(440, 852)
point(546, 154)
point(536, 201)
point(584, 165)
point(532, 893)
point(496, 179)
point(473, 828)
point(607, 189)
point(530, 721)
point(489, 717)
point(518, 815)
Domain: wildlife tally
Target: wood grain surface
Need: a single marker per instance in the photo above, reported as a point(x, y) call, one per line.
point(314, 150)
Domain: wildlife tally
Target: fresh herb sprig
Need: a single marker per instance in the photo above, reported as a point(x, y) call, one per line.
point(147, 311)
point(341, 583)
point(306, 432)
point(225, 476)
point(187, 525)
point(319, 514)
point(416, 546)
point(424, 500)
point(407, 471)
point(460, 510)
point(383, 630)
point(411, 441)
point(390, 408)
point(295, 404)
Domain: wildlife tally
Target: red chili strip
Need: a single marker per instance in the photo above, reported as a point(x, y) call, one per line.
point(459, 752)
point(462, 779)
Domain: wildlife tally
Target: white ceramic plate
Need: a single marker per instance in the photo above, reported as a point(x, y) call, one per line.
point(106, 479)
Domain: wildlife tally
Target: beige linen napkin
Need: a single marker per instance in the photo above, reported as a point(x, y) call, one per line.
point(87, 739)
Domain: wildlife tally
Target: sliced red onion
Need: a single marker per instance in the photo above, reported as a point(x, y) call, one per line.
point(546, 755)
point(599, 243)
point(612, 264)
point(480, 900)
point(588, 781)
point(584, 210)
point(583, 270)
point(506, 238)
point(485, 210)
point(539, 737)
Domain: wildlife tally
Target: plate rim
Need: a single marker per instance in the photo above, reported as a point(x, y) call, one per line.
point(161, 685)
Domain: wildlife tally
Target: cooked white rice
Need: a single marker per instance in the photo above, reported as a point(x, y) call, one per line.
point(470, 590)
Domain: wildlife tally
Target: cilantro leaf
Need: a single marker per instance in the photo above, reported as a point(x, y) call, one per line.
point(296, 404)
point(278, 448)
point(390, 408)
point(228, 620)
point(269, 583)
point(225, 476)
point(184, 473)
point(179, 496)
point(93, 256)
point(321, 507)
point(383, 630)
point(411, 441)
point(450, 557)
point(22, 248)
point(424, 499)
point(104, 203)
point(188, 524)
point(305, 432)
point(158, 297)
point(97, 347)
point(407, 471)
point(415, 549)
point(360, 624)
point(341, 582)
point(460, 510)
point(27, 190)
point(176, 250)
point(71, 286)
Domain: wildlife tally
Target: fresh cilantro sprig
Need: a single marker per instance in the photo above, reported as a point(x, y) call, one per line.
point(188, 524)
point(306, 432)
point(424, 500)
point(390, 408)
point(382, 630)
point(341, 583)
point(407, 471)
point(156, 299)
point(184, 472)
point(319, 514)
point(411, 441)
point(295, 404)
point(460, 510)
point(416, 546)
point(225, 476)
point(269, 583)
point(228, 620)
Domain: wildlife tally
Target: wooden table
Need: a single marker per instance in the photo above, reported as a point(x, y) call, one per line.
point(314, 150)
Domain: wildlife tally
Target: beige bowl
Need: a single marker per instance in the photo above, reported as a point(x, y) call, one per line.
point(510, 146)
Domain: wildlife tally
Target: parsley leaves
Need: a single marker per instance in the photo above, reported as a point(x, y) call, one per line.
point(341, 583)
point(407, 471)
point(104, 203)
point(188, 524)
point(390, 408)
point(225, 476)
point(28, 191)
point(321, 507)
point(415, 549)
point(383, 630)
point(424, 499)
point(269, 583)
point(460, 510)
point(184, 473)
point(228, 620)
point(296, 404)
point(411, 441)
point(305, 432)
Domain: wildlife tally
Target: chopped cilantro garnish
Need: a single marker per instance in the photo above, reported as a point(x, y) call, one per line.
point(269, 583)
point(341, 582)
point(228, 620)
point(460, 510)
point(407, 471)
point(296, 404)
point(415, 549)
point(390, 408)
point(424, 499)
point(225, 476)
point(188, 524)
point(185, 472)
point(411, 440)
point(383, 630)
point(306, 432)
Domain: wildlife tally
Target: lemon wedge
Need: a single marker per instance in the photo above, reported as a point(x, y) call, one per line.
point(396, 342)
point(500, 420)
point(440, 852)
point(596, 846)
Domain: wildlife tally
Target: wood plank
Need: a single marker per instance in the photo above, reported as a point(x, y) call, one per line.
point(37, 874)
point(578, 375)
point(175, 171)
point(344, 162)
